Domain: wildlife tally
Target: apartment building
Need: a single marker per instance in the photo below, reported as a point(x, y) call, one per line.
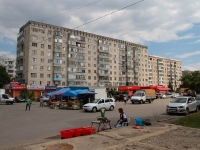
point(9, 63)
point(53, 55)
point(50, 55)
point(164, 70)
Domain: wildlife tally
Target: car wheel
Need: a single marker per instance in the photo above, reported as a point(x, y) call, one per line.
point(11, 103)
point(133, 102)
point(7, 102)
point(94, 109)
point(140, 101)
point(86, 111)
point(197, 109)
point(187, 111)
point(149, 101)
point(111, 108)
point(143, 102)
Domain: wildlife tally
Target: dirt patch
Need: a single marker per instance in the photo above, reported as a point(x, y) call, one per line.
point(181, 138)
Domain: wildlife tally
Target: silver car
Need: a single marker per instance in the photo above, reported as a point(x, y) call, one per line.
point(184, 104)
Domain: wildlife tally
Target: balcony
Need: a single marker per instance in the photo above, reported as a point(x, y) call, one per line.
point(103, 79)
point(104, 62)
point(104, 55)
point(57, 79)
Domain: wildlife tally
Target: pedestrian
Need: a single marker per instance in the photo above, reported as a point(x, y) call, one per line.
point(41, 101)
point(28, 103)
point(125, 100)
point(122, 118)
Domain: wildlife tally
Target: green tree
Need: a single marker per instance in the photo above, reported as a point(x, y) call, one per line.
point(170, 86)
point(191, 81)
point(4, 76)
point(26, 93)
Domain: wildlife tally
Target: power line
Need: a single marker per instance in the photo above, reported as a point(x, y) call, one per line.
point(108, 14)
point(94, 19)
point(73, 10)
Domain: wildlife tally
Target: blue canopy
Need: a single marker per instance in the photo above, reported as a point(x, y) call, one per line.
point(58, 92)
point(73, 93)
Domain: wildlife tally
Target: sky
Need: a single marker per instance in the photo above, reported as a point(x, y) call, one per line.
point(168, 28)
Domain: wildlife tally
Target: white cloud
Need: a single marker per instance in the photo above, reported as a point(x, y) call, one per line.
point(192, 67)
point(188, 54)
point(7, 54)
point(197, 41)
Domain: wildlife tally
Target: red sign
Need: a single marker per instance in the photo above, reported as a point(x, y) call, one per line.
point(18, 87)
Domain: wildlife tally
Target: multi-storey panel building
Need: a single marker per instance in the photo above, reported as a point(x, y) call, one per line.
point(48, 54)
point(162, 71)
point(9, 63)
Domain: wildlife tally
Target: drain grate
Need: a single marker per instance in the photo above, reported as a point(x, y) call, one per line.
point(61, 146)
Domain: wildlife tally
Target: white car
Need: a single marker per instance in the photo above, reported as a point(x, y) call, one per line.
point(97, 104)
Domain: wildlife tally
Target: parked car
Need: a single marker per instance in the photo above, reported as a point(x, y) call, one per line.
point(6, 98)
point(198, 100)
point(159, 95)
point(167, 95)
point(183, 104)
point(174, 95)
point(19, 99)
point(97, 104)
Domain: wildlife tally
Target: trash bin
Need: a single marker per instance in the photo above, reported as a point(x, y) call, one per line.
point(103, 112)
point(138, 121)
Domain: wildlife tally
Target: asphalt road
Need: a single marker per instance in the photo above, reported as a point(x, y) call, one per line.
point(18, 126)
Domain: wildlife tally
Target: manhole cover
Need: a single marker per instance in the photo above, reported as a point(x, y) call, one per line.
point(60, 146)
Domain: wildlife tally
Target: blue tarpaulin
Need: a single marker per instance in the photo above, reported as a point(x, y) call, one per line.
point(58, 92)
point(73, 93)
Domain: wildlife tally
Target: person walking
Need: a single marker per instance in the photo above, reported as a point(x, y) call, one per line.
point(122, 118)
point(41, 101)
point(28, 103)
point(125, 100)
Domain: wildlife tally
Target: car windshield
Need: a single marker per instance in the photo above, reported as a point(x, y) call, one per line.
point(137, 94)
point(95, 101)
point(179, 100)
point(8, 95)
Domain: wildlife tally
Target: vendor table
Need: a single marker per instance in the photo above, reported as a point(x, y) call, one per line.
point(102, 122)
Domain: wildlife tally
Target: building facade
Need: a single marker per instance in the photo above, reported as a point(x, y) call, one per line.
point(9, 63)
point(163, 71)
point(53, 55)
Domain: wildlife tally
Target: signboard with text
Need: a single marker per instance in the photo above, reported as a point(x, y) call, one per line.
point(18, 87)
point(50, 87)
point(34, 87)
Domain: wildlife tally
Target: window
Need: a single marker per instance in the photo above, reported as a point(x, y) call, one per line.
point(94, 77)
point(49, 39)
point(41, 75)
point(42, 45)
point(114, 45)
point(34, 44)
point(63, 48)
point(48, 75)
point(42, 53)
point(63, 55)
point(107, 100)
point(89, 58)
point(34, 52)
point(63, 62)
point(63, 69)
point(89, 52)
point(49, 54)
point(34, 59)
point(49, 46)
point(89, 40)
point(42, 39)
point(41, 82)
point(110, 78)
point(95, 53)
point(49, 61)
point(89, 46)
point(95, 71)
point(89, 71)
point(89, 65)
point(94, 65)
point(33, 75)
point(49, 32)
point(95, 59)
point(48, 82)
point(63, 83)
point(48, 68)
point(89, 77)
point(35, 37)
point(41, 67)
point(42, 60)
point(34, 67)
point(110, 72)
point(94, 47)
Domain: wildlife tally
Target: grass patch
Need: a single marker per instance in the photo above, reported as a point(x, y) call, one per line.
point(193, 121)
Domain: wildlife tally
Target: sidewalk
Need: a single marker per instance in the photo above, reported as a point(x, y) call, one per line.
point(158, 136)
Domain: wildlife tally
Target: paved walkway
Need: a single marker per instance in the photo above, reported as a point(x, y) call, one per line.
point(158, 136)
